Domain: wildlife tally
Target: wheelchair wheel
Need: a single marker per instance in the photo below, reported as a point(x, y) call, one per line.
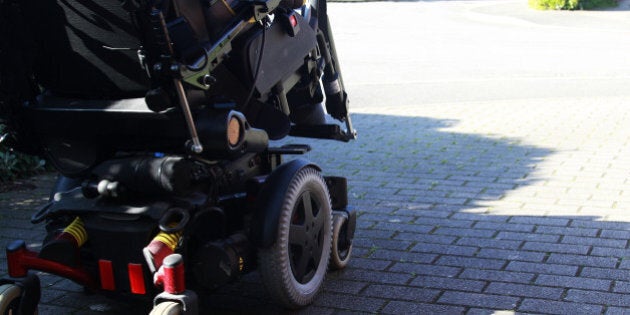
point(341, 250)
point(293, 269)
point(167, 308)
point(10, 299)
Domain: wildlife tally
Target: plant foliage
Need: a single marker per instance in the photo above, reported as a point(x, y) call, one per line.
point(572, 4)
point(13, 164)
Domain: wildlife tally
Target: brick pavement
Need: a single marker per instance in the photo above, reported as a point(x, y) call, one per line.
point(464, 208)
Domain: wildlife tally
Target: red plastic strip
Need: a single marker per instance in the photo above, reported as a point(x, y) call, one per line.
point(106, 272)
point(136, 279)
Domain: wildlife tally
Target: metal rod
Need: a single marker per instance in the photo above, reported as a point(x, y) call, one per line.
point(183, 102)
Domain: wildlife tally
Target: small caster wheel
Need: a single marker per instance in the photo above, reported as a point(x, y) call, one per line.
point(341, 246)
point(167, 308)
point(10, 297)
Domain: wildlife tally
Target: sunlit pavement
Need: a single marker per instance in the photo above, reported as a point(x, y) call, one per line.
point(491, 170)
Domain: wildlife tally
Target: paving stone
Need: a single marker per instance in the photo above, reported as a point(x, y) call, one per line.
point(540, 220)
point(465, 232)
point(400, 307)
point(374, 234)
point(380, 243)
point(469, 262)
point(513, 289)
point(605, 273)
point(376, 276)
point(401, 227)
point(444, 222)
point(622, 287)
point(558, 307)
point(554, 269)
point(597, 241)
point(497, 275)
point(342, 301)
point(596, 297)
point(426, 238)
point(477, 217)
point(625, 263)
point(514, 227)
point(617, 234)
point(401, 293)
point(489, 243)
point(614, 310)
point(399, 256)
point(424, 269)
point(445, 249)
point(485, 311)
point(576, 231)
point(556, 248)
point(478, 300)
point(533, 237)
point(604, 225)
point(515, 255)
point(370, 264)
point(621, 253)
point(425, 213)
point(574, 282)
point(387, 217)
point(448, 283)
point(343, 286)
point(565, 259)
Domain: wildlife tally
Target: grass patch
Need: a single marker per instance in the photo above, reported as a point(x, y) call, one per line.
point(572, 4)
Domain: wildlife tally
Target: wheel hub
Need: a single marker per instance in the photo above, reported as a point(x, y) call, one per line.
point(305, 237)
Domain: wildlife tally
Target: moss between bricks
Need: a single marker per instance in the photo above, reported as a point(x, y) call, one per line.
point(572, 4)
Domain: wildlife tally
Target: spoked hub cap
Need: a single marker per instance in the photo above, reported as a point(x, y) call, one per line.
point(306, 236)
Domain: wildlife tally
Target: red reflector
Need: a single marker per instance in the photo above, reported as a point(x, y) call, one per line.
point(293, 20)
point(136, 279)
point(107, 275)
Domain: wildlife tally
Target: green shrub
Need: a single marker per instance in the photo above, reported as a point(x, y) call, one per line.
point(571, 4)
point(14, 165)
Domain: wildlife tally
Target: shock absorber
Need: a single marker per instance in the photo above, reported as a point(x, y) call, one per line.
point(75, 232)
point(64, 248)
point(162, 245)
point(336, 96)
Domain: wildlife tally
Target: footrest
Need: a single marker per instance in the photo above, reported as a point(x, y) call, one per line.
point(291, 149)
point(327, 131)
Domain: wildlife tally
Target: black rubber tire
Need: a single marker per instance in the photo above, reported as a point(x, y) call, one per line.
point(292, 278)
point(167, 308)
point(9, 299)
point(340, 254)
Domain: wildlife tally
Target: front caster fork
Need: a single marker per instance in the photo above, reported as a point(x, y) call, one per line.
point(344, 225)
point(175, 299)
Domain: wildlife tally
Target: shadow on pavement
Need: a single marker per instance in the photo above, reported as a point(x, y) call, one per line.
point(427, 241)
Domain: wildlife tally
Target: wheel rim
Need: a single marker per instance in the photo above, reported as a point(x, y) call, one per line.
point(9, 299)
point(306, 236)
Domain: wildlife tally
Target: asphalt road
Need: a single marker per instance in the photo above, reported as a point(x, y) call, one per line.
point(424, 52)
